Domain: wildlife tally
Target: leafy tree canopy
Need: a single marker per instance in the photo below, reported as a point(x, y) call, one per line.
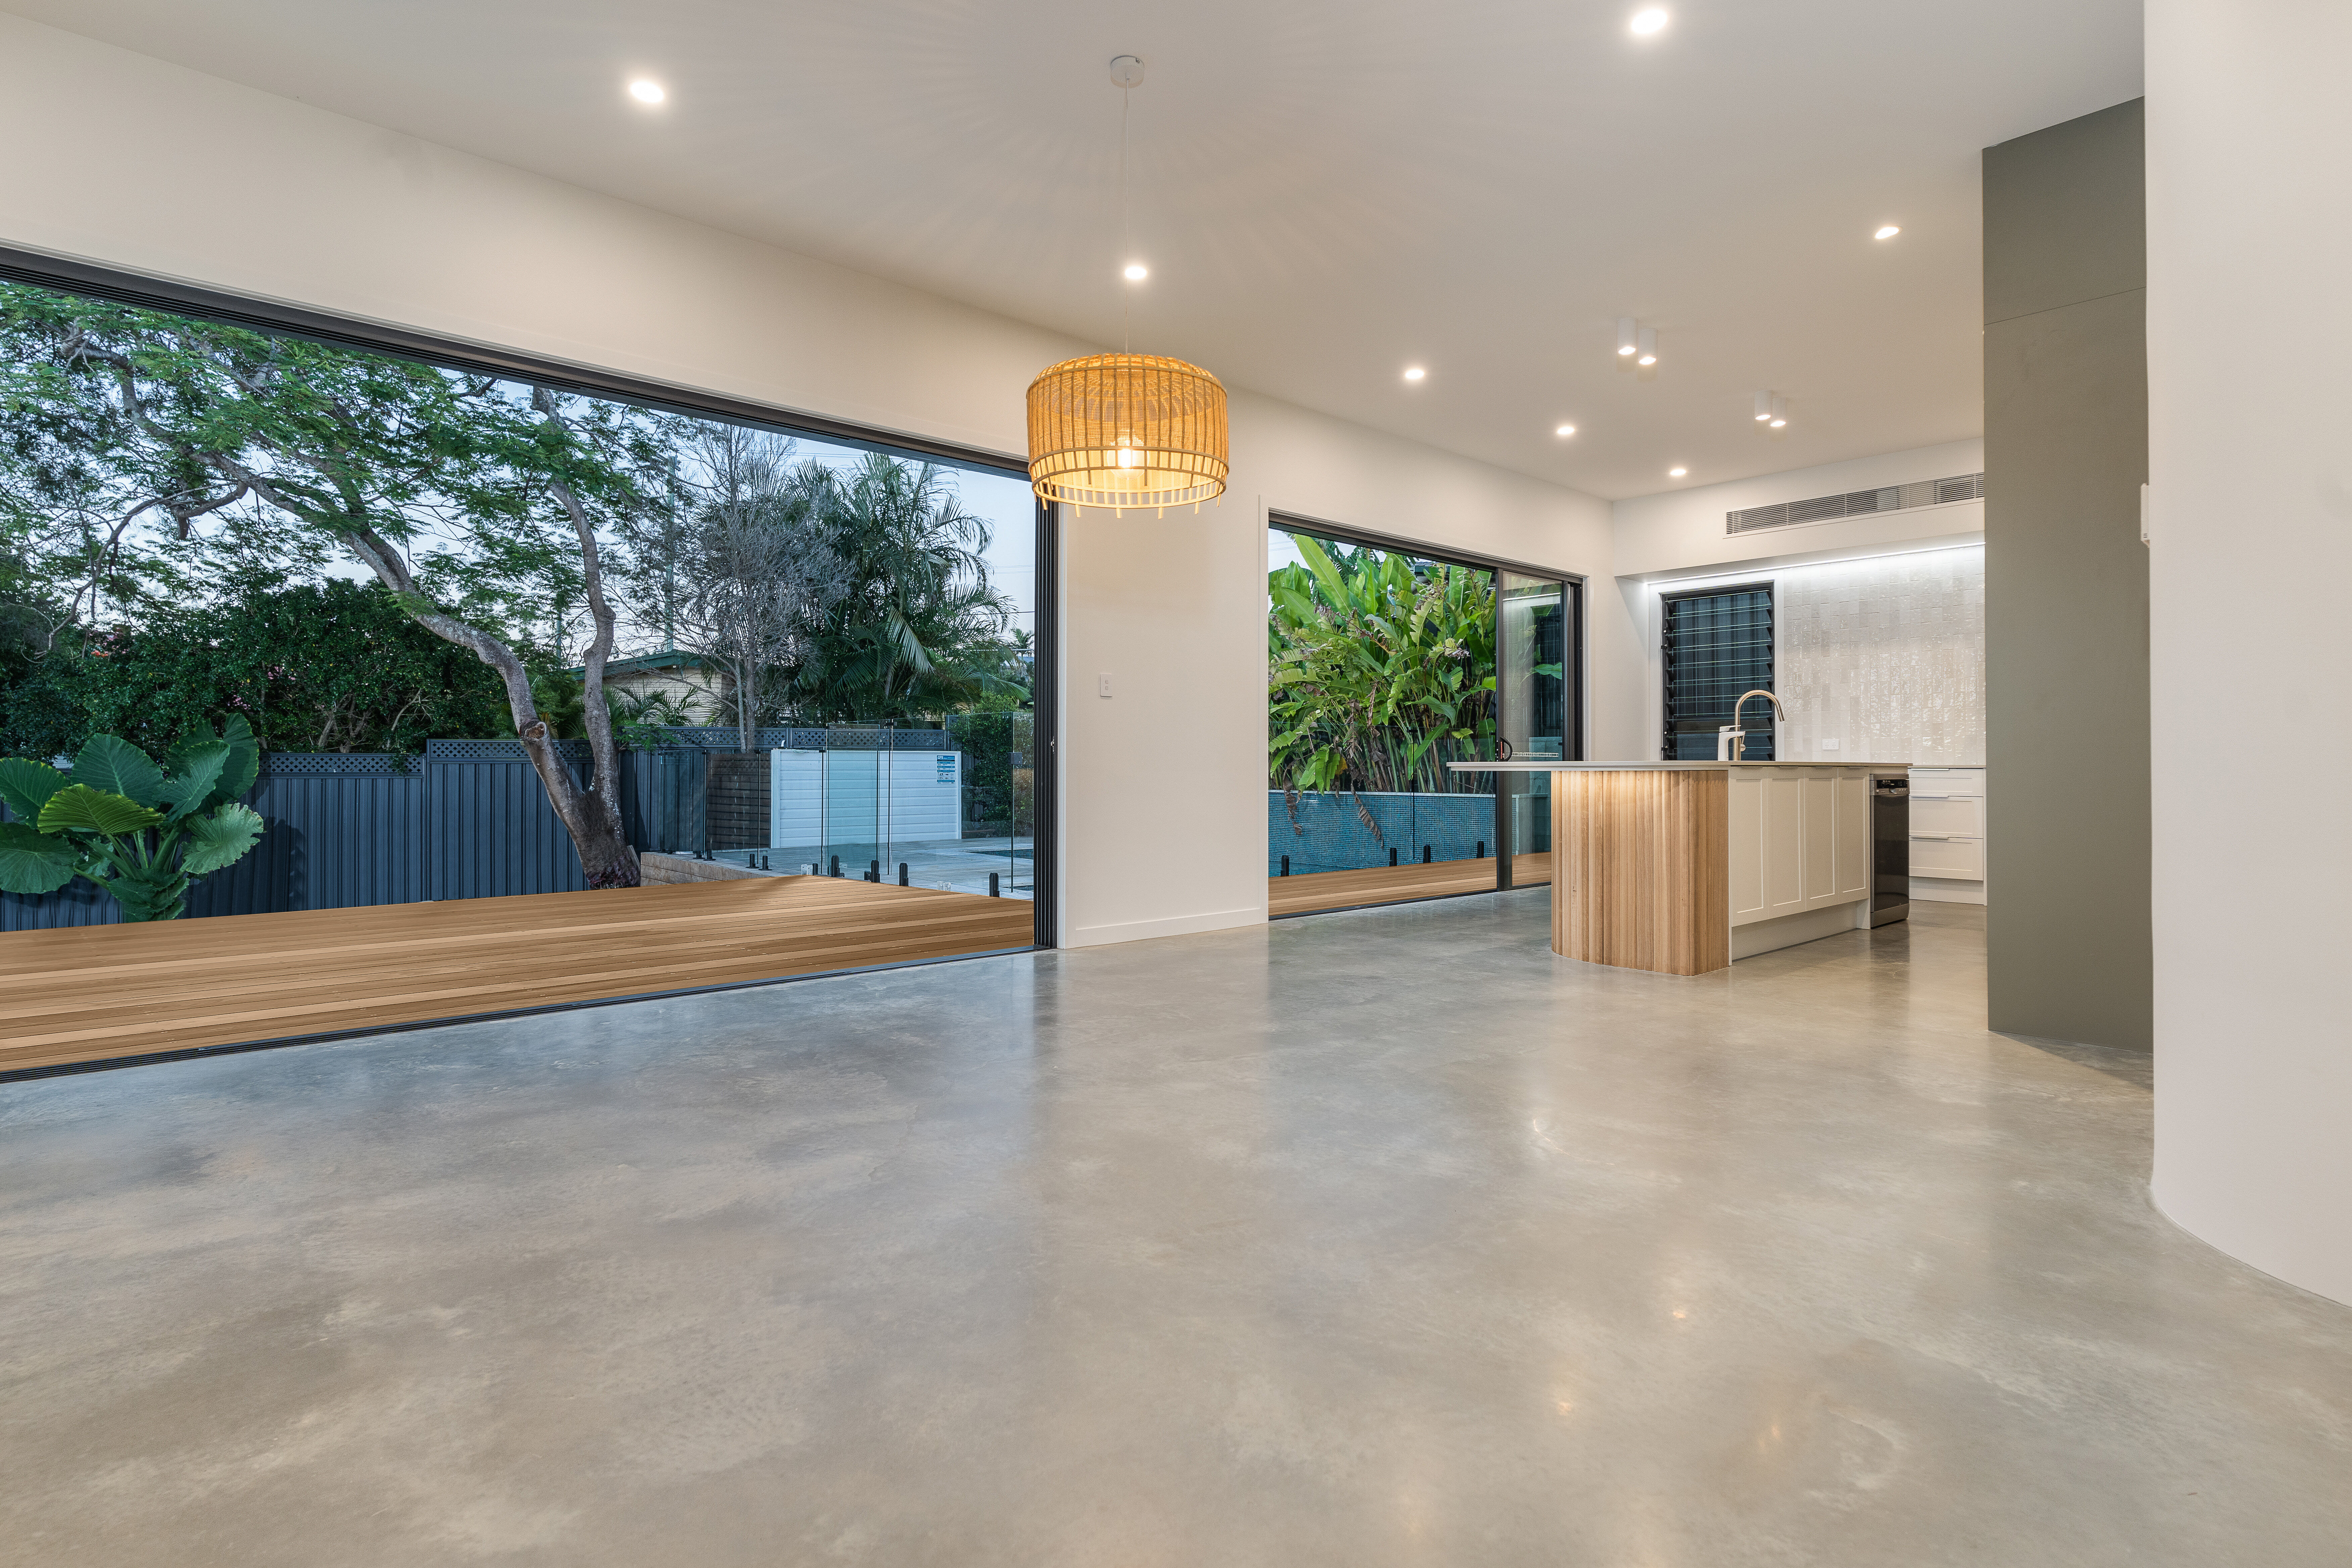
point(329, 667)
point(919, 630)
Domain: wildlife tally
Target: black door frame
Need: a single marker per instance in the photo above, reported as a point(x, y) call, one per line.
point(67, 275)
point(1496, 566)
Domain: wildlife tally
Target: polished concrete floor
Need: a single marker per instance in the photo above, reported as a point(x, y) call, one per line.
point(1362, 1239)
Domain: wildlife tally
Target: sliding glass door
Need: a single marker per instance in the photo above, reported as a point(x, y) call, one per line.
point(1534, 634)
point(1386, 665)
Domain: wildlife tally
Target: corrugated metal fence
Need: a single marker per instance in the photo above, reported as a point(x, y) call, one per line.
point(469, 820)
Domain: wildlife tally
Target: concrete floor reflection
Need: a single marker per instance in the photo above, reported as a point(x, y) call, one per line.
point(1373, 1238)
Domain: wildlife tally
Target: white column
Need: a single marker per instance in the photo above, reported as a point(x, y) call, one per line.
point(2250, 371)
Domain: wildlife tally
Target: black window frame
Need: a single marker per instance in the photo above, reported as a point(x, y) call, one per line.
point(69, 275)
point(1666, 601)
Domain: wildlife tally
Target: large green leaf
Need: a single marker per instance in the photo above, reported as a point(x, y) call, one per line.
point(78, 808)
point(26, 786)
point(244, 761)
point(220, 839)
point(32, 861)
point(195, 774)
point(113, 764)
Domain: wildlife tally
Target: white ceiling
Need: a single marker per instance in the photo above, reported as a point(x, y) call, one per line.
point(1326, 190)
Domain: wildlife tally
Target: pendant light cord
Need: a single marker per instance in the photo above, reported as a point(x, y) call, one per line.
point(1127, 289)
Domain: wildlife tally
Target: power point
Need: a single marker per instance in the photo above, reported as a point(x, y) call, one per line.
point(1102, 684)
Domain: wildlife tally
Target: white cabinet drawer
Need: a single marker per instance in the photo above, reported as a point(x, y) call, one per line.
point(1961, 859)
point(1963, 814)
point(1948, 780)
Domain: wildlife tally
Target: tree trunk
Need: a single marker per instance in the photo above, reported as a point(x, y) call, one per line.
point(592, 815)
point(603, 843)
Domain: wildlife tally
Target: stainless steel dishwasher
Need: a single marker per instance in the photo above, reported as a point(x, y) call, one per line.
point(1890, 848)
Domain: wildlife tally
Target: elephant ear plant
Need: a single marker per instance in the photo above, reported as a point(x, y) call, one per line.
point(142, 832)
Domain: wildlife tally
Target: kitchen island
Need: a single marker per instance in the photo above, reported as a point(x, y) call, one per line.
point(1682, 868)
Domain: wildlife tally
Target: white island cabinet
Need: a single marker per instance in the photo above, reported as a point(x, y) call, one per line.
point(1800, 854)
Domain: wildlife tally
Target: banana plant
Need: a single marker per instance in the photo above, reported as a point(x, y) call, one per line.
point(144, 833)
point(1381, 672)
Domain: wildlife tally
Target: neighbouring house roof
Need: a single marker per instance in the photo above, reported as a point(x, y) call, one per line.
point(668, 658)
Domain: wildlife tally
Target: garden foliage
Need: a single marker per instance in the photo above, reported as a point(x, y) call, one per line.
point(1382, 671)
point(142, 833)
point(334, 665)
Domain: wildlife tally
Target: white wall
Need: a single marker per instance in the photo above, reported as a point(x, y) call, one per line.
point(188, 176)
point(1682, 530)
point(2249, 155)
point(1884, 656)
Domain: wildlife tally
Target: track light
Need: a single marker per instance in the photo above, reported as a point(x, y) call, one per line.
point(1646, 344)
point(1763, 406)
point(1626, 334)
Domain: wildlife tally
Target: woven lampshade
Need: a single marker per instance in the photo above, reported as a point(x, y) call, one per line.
point(1127, 431)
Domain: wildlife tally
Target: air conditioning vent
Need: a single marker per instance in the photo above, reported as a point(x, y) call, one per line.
point(1857, 503)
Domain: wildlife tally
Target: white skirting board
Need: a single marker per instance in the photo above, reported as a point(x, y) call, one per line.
point(1178, 925)
point(1770, 936)
point(1946, 891)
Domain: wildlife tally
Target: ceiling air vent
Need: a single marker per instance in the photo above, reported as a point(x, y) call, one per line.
point(1857, 503)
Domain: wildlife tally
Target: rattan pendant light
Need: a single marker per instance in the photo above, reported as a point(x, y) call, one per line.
point(1127, 431)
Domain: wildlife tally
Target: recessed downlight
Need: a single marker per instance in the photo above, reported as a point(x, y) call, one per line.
point(1677, 473)
point(1565, 430)
point(1414, 373)
point(1137, 272)
point(645, 91)
point(1649, 19)
point(1887, 231)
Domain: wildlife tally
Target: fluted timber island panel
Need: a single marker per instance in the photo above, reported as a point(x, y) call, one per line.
point(95, 993)
point(1641, 875)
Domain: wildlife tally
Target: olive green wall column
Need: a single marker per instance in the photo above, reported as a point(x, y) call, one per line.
point(2066, 732)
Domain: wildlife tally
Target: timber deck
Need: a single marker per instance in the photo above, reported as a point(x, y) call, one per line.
point(97, 992)
point(1311, 892)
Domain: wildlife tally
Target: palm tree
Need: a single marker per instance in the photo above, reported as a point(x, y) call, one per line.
point(920, 629)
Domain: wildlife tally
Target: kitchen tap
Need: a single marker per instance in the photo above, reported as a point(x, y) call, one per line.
point(1731, 742)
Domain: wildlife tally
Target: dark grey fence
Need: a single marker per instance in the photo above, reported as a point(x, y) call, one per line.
point(467, 820)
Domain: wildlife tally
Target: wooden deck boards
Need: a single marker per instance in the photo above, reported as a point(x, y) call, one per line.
point(1313, 891)
point(94, 992)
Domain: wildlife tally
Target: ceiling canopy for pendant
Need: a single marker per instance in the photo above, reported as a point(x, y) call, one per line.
point(1127, 431)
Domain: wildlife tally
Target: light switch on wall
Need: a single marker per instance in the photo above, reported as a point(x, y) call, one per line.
point(1102, 684)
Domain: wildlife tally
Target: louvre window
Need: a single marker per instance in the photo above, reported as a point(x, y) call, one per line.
point(1718, 645)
